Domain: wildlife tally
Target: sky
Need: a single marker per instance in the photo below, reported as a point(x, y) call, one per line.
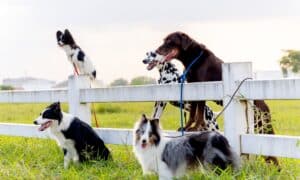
point(116, 34)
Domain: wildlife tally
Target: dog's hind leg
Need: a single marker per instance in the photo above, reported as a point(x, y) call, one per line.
point(191, 118)
point(263, 124)
point(199, 116)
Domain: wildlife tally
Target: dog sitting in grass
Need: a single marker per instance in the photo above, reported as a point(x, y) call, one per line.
point(77, 139)
point(171, 158)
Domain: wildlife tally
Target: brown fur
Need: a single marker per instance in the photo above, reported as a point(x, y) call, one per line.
point(207, 68)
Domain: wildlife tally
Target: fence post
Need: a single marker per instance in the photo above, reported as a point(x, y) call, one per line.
point(76, 108)
point(235, 116)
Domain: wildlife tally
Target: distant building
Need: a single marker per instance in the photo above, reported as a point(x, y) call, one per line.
point(28, 83)
point(64, 84)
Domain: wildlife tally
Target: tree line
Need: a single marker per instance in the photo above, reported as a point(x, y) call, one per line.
point(139, 80)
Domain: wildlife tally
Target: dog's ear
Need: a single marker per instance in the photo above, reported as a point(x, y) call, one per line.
point(186, 41)
point(156, 121)
point(67, 32)
point(143, 117)
point(55, 106)
point(58, 34)
point(69, 36)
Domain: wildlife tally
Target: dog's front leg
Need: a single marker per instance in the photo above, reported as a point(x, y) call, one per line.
point(67, 158)
point(164, 173)
point(76, 159)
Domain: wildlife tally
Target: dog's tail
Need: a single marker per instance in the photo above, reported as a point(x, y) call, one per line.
point(224, 154)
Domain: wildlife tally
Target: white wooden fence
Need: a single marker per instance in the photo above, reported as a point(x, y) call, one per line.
point(237, 117)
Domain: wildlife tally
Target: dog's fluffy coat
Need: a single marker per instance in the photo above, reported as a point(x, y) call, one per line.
point(77, 139)
point(82, 63)
point(172, 157)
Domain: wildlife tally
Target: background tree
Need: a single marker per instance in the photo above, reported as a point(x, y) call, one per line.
point(119, 82)
point(4, 87)
point(290, 61)
point(141, 80)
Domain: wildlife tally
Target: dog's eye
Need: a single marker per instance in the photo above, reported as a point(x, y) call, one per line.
point(139, 131)
point(152, 54)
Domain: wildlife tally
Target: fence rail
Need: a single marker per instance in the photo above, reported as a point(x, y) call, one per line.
point(79, 95)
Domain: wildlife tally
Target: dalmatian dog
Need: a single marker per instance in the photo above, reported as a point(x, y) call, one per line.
point(170, 74)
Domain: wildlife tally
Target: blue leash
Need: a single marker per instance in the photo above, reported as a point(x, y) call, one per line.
point(182, 79)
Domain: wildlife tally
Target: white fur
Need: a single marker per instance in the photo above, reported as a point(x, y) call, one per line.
point(55, 131)
point(150, 157)
point(86, 67)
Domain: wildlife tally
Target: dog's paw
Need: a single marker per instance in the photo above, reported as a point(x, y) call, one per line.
point(192, 129)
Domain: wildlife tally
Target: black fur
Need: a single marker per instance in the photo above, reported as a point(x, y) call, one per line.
point(86, 140)
point(65, 151)
point(53, 112)
point(94, 74)
point(154, 131)
point(221, 143)
point(80, 56)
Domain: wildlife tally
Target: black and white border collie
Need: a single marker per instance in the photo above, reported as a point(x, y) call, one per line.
point(168, 74)
point(81, 63)
point(77, 139)
point(172, 157)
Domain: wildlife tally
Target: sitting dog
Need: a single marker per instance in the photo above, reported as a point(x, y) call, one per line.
point(77, 139)
point(168, 74)
point(81, 63)
point(172, 157)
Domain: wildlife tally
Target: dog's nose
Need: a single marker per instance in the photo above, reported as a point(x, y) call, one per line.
point(144, 141)
point(35, 122)
point(145, 61)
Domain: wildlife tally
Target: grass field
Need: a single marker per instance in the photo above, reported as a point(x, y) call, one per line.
point(31, 158)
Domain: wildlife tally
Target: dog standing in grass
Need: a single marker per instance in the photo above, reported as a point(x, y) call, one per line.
point(77, 139)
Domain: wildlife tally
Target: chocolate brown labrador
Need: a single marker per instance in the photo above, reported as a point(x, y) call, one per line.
point(208, 67)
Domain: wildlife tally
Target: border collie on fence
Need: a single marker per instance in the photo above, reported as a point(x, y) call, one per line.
point(172, 157)
point(81, 63)
point(169, 74)
point(77, 139)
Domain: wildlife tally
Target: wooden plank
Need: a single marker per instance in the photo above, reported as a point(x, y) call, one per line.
point(24, 130)
point(41, 96)
point(192, 91)
point(271, 145)
point(109, 135)
point(271, 89)
point(76, 108)
point(235, 117)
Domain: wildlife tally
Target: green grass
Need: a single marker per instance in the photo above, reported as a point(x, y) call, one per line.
point(32, 158)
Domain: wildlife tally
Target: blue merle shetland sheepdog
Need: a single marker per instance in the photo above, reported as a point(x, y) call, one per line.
point(81, 63)
point(77, 139)
point(171, 157)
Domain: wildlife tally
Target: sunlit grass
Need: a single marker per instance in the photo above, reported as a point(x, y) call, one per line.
point(32, 158)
